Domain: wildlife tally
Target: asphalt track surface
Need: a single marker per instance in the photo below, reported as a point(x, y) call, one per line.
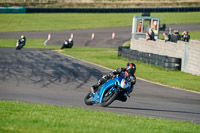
point(48, 77)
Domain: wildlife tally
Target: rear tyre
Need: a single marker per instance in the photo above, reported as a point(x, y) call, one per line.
point(109, 98)
point(88, 99)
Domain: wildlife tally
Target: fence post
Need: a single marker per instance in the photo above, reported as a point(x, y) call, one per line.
point(186, 54)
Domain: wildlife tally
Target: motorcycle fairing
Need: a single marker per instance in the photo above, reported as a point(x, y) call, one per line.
point(123, 83)
point(95, 97)
point(98, 96)
point(107, 85)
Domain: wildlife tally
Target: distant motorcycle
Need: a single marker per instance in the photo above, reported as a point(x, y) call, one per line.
point(116, 88)
point(67, 44)
point(19, 45)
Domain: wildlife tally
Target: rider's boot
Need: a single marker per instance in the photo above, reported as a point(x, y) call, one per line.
point(94, 88)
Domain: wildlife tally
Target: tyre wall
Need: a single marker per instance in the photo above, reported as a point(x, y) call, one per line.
point(187, 52)
point(169, 63)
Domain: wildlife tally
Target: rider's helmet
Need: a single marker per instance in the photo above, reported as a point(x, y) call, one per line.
point(22, 36)
point(131, 68)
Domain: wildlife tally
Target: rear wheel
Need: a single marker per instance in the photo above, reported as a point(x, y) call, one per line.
point(88, 99)
point(109, 98)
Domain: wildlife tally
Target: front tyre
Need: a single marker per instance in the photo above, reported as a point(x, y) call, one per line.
point(109, 98)
point(88, 99)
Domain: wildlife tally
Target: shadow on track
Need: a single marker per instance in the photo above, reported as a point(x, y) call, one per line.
point(155, 110)
point(43, 67)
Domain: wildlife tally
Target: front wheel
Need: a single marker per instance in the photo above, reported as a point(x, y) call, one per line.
point(109, 98)
point(88, 99)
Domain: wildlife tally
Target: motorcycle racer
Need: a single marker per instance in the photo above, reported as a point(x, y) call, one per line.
point(129, 72)
point(21, 42)
point(67, 44)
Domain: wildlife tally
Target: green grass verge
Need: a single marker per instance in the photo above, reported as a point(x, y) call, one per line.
point(62, 21)
point(33, 118)
point(109, 58)
point(194, 35)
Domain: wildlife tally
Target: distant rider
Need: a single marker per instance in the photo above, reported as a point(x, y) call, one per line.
point(67, 44)
point(21, 42)
point(129, 72)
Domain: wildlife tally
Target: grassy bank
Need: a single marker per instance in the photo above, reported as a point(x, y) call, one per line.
point(32, 118)
point(109, 58)
point(195, 35)
point(64, 21)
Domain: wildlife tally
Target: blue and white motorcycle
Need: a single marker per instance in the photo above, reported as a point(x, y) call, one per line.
point(117, 88)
